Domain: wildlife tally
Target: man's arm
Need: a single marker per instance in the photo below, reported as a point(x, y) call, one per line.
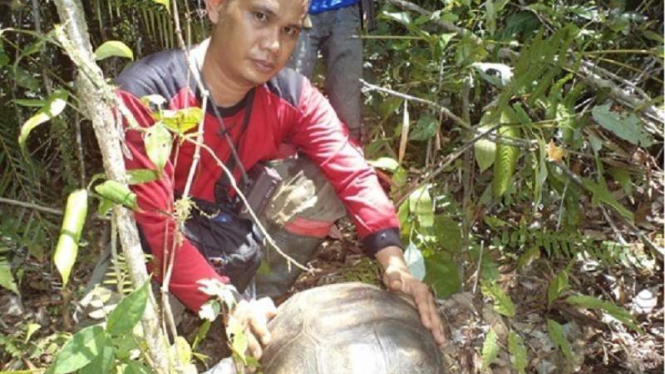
point(155, 219)
point(323, 138)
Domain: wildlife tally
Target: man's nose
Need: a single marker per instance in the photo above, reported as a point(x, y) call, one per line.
point(271, 40)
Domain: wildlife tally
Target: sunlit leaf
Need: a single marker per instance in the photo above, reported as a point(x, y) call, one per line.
point(506, 156)
point(138, 176)
point(420, 204)
point(385, 163)
point(103, 363)
point(113, 48)
point(55, 104)
point(502, 302)
point(415, 261)
point(485, 151)
point(134, 367)
point(81, 350)
point(518, 352)
point(166, 3)
point(129, 311)
point(6, 277)
point(158, 143)
point(491, 349)
point(499, 75)
point(66, 250)
point(180, 121)
point(627, 127)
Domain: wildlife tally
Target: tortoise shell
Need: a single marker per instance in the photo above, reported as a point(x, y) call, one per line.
point(349, 328)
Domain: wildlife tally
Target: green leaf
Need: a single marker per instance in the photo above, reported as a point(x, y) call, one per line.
point(385, 163)
point(441, 273)
point(104, 207)
point(134, 367)
point(402, 17)
point(104, 361)
point(6, 277)
point(506, 156)
point(559, 338)
point(66, 250)
point(557, 286)
point(118, 193)
point(81, 350)
point(425, 128)
point(55, 104)
point(138, 176)
point(448, 233)
point(415, 261)
point(166, 3)
point(238, 339)
point(612, 309)
point(129, 311)
point(518, 352)
point(502, 302)
point(158, 143)
point(600, 194)
point(528, 258)
point(491, 349)
point(180, 121)
point(500, 75)
point(31, 103)
point(420, 204)
point(627, 127)
point(182, 350)
point(485, 151)
point(113, 48)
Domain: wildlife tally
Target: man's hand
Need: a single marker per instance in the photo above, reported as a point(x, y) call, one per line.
point(252, 318)
point(398, 278)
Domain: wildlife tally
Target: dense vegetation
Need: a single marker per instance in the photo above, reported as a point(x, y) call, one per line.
point(522, 141)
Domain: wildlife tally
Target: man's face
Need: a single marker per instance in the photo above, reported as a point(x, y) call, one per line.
point(253, 39)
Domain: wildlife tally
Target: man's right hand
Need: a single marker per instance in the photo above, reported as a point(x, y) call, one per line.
point(253, 316)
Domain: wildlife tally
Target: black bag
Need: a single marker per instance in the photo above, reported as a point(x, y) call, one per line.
point(231, 244)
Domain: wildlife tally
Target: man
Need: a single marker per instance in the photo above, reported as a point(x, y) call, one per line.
point(261, 106)
point(334, 31)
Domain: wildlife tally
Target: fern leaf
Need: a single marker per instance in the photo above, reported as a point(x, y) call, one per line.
point(506, 156)
point(6, 278)
point(502, 302)
point(490, 349)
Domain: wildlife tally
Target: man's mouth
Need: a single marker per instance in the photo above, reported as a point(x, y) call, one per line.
point(264, 65)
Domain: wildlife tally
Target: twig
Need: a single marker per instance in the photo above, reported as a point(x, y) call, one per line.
point(31, 206)
point(480, 262)
point(449, 160)
point(515, 142)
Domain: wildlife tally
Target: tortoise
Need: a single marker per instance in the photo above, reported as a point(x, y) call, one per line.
point(349, 328)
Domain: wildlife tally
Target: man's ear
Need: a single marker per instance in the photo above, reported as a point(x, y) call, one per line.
point(212, 8)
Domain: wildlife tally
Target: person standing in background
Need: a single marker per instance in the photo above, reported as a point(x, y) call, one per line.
point(334, 31)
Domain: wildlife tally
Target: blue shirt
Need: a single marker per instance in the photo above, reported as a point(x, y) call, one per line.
point(320, 6)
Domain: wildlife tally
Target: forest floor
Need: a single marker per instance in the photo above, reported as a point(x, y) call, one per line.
point(34, 325)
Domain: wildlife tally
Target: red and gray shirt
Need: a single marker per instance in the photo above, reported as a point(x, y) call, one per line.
point(285, 110)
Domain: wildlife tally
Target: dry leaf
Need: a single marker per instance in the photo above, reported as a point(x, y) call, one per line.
point(555, 153)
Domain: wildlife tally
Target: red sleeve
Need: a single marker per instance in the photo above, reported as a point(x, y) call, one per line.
point(155, 222)
point(324, 138)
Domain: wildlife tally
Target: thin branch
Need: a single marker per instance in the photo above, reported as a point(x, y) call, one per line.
point(31, 206)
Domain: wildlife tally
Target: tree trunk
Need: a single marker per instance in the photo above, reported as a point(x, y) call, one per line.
point(97, 100)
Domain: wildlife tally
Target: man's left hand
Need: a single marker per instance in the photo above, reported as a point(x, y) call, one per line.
point(398, 278)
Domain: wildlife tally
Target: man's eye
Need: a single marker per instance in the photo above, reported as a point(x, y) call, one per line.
point(261, 17)
point(291, 31)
